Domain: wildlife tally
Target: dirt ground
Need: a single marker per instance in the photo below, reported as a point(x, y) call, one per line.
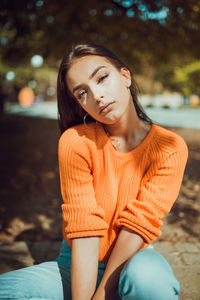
point(30, 196)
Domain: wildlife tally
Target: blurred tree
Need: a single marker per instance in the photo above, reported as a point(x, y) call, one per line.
point(187, 78)
point(157, 34)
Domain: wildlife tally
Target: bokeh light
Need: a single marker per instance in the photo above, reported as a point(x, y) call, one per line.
point(124, 35)
point(51, 91)
point(93, 12)
point(108, 12)
point(10, 75)
point(180, 10)
point(127, 3)
point(37, 60)
point(142, 7)
point(4, 40)
point(32, 84)
point(26, 97)
point(130, 13)
point(32, 17)
point(50, 19)
point(39, 3)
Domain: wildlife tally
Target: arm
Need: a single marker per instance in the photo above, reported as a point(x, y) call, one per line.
point(82, 216)
point(84, 267)
point(143, 216)
point(158, 191)
point(118, 258)
point(83, 219)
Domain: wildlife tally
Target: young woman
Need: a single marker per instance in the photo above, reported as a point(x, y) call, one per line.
point(120, 173)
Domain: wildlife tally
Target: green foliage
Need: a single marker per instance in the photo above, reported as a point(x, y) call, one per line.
point(188, 78)
point(147, 35)
point(24, 74)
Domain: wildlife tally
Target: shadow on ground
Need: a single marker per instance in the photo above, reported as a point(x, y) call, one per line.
point(30, 192)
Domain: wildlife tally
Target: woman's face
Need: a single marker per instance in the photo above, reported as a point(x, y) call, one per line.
point(95, 83)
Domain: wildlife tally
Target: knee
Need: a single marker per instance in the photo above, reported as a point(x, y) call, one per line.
point(144, 278)
point(30, 282)
point(10, 286)
point(134, 276)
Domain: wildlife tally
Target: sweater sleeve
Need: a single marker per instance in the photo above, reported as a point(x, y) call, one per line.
point(81, 214)
point(158, 191)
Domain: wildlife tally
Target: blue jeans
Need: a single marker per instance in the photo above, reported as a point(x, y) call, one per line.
point(147, 275)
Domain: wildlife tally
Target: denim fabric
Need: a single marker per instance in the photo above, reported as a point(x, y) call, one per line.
point(147, 275)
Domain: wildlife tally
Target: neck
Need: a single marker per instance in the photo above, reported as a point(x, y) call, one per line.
point(128, 127)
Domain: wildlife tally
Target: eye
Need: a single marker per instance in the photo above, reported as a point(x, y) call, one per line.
point(102, 78)
point(81, 94)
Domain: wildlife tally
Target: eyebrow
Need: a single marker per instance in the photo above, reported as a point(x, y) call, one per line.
point(90, 77)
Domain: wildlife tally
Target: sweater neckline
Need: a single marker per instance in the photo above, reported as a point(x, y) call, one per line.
point(135, 151)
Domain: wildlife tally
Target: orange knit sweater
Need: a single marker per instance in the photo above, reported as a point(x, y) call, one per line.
point(104, 190)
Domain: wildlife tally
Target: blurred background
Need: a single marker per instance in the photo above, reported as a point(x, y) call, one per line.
point(160, 42)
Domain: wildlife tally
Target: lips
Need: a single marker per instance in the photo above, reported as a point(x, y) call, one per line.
point(101, 109)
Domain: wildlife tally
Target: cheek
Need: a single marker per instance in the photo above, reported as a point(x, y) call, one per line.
point(120, 91)
point(84, 106)
point(87, 106)
point(118, 84)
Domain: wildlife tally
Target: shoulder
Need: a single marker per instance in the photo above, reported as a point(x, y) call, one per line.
point(76, 135)
point(79, 139)
point(168, 141)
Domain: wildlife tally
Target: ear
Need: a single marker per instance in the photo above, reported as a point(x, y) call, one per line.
point(126, 75)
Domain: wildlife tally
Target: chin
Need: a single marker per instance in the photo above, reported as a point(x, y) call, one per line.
point(110, 121)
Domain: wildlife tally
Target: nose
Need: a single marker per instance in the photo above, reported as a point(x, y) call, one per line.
point(97, 94)
point(98, 99)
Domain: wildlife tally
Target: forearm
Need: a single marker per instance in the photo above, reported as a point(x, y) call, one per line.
point(84, 267)
point(127, 244)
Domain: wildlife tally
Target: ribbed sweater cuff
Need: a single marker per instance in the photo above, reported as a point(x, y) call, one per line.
point(84, 221)
point(86, 233)
point(148, 236)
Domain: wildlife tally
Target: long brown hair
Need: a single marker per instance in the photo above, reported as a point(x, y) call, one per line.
point(70, 113)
